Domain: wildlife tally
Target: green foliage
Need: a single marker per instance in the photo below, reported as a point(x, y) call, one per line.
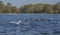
point(41, 8)
point(8, 8)
point(30, 8)
point(9, 4)
point(15, 9)
point(36, 8)
point(1, 3)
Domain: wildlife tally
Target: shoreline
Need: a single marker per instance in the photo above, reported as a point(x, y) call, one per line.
point(26, 13)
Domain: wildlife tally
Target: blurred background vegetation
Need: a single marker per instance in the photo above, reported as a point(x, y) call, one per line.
point(30, 8)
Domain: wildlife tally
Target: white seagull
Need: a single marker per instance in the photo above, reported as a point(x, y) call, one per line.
point(16, 22)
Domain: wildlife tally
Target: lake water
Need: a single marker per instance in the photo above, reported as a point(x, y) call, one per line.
point(31, 24)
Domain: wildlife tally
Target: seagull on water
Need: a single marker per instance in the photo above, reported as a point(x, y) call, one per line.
point(16, 22)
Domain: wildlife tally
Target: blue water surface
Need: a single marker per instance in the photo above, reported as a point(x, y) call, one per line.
point(32, 24)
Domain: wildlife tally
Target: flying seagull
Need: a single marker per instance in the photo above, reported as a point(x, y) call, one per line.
point(16, 22)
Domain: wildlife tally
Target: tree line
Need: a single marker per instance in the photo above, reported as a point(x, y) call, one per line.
point(30, 8)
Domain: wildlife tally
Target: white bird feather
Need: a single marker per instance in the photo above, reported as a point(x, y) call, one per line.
point(16, 22)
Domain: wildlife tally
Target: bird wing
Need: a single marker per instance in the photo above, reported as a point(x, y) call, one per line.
point(13, 22)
